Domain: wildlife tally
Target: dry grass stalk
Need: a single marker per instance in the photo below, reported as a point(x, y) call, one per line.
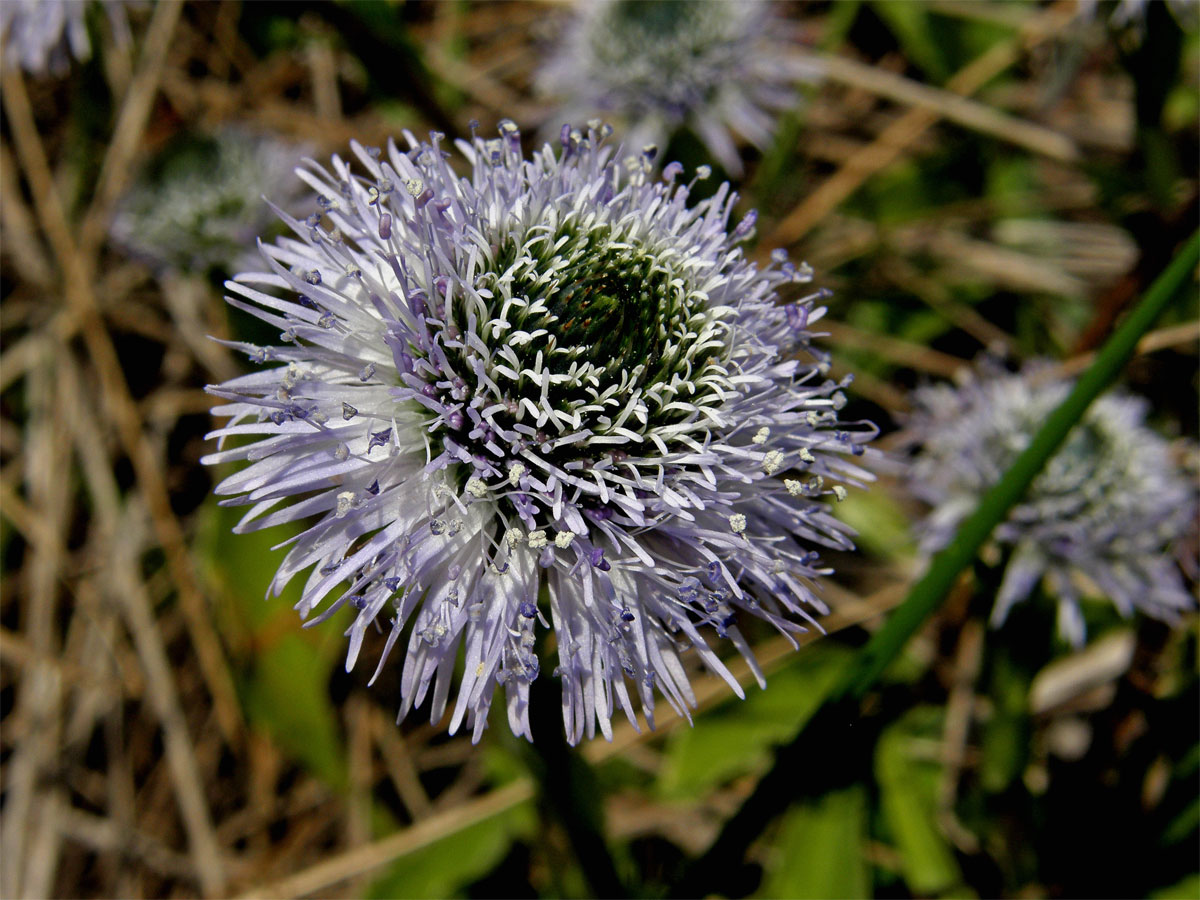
point(898, 136)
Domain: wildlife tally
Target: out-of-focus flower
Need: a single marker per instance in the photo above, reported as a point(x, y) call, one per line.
point(660, 65)
point(199, 203)
point(42, 36)
point(1132, 13)
point(1099, 517)
point(549, 394)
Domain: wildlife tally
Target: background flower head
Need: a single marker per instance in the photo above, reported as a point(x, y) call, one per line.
point(199, 203)
point(661, 65)
point(1099, 518)
point(42, 36)
point(548, 394)
point(1131, 14)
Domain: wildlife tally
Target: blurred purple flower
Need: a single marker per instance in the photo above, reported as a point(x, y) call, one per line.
point(1131, 14)
point(42, 36)
point(656, 66)
point(549, 394)
point(1098, 519)
point(199, 203)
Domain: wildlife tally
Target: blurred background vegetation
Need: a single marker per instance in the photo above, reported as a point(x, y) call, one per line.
point(968, 178)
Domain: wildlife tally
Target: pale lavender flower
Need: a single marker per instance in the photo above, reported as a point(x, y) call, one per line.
point(42, 36)
point(657, 66)
point(547, 395)
point(1100, 517)
point(1132, 14)
point(199, 203)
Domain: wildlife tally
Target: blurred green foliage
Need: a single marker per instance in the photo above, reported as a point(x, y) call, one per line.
point(820, 849)
point(446, 867)
point(737, 737)
point(285, 687)
point(909, 786)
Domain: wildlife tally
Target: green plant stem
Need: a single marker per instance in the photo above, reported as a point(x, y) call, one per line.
point(926, 595)
point(831, 725)
point(569, 792)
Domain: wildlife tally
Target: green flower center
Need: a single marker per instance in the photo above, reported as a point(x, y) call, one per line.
point(590, 298)
point(655, 18)
point(607, 315)
point(591, 322)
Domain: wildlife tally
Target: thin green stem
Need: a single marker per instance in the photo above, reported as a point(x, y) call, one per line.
point(569, 792)
point(927, 594)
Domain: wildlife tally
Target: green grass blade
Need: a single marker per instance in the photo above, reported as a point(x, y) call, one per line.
point(927, 594)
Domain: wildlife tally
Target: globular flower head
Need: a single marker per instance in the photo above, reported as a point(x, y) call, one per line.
point(199, 203)
point(549, 394)
point(42, 36)
point(661, 65)
point(1100, 516)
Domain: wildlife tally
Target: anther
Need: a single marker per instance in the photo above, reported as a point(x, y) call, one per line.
point(772, 462)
